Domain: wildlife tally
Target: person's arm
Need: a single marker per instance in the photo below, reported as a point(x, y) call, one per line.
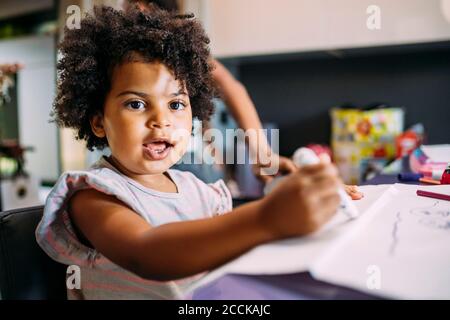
point(239, 102)
point(167, 252)
point(175, 250)
point(243, 110)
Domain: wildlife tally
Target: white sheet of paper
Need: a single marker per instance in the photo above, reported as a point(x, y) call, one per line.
point(295, 255)
point(401, 250)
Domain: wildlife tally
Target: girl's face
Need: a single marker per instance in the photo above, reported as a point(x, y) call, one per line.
point(147, 118)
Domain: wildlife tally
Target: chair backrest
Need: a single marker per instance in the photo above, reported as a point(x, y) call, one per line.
point(26, 272)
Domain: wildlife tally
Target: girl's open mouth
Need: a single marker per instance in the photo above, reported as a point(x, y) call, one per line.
point(157, 150)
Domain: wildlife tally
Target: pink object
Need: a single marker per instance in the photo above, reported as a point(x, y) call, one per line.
point(433, 195)
point(420, 163)
point(319, 149)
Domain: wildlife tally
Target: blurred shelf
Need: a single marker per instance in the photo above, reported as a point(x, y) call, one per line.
point(344, 53)
point(29, 23)
point(15, 8)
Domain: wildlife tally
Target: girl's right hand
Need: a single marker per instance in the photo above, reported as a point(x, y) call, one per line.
point(302, 202)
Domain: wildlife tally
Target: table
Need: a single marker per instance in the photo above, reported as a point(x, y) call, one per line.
point(298, 286)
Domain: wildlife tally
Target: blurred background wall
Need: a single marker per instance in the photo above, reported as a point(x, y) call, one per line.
point(297, 59)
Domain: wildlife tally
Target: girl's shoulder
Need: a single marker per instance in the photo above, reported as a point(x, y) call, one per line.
point(100, 176)
point(55, 233)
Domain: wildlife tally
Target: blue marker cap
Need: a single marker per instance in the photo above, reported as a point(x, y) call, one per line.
point(409, 176)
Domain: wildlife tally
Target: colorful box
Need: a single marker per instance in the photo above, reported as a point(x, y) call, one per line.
point(364, 140)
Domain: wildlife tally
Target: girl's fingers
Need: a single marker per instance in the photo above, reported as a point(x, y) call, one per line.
point(330, 204)
point(357, 195)
point(323, 171)
point(353, 192)
point(324, 188)
point(287, 165)
point(265, 178)
point(324, 158)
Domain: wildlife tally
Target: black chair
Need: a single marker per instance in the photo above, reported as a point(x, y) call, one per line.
point(26, 272)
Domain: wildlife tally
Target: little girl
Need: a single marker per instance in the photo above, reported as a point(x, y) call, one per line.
point(137, 229)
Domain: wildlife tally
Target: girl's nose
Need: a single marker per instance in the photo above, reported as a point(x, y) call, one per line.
point(159, 119)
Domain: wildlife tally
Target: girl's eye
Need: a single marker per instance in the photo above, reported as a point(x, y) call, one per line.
point(135, 105)
point(177, 105)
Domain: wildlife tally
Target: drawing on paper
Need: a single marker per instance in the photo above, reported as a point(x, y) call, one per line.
point(434, 216)
point(394, 242)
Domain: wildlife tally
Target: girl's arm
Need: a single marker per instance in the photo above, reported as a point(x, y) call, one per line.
point(170, 251)
point(300, 204)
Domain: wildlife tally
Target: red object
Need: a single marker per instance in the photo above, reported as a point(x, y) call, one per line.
point(319, 149)
point(445, 179)
point(433, 195)
point(380, 152)
point(406, 142)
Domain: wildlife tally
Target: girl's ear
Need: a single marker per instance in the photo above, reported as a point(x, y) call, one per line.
point(97, 126)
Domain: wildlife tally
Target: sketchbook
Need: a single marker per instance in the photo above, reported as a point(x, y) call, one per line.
point(405, 243)
point(398, 248)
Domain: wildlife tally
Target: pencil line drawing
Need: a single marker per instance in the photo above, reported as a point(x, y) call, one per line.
point(395, 240)
point(433, 216)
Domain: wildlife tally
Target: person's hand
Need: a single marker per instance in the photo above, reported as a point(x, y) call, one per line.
point(302, 202)
point(353, 192)
point(284, 165)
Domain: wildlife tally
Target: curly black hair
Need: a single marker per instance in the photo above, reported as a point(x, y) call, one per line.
point(109, 38)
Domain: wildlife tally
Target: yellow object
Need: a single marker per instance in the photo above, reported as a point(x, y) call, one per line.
point(360, 139)
point(8, 166)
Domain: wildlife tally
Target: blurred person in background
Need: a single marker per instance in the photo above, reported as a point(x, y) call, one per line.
point(240, 105)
